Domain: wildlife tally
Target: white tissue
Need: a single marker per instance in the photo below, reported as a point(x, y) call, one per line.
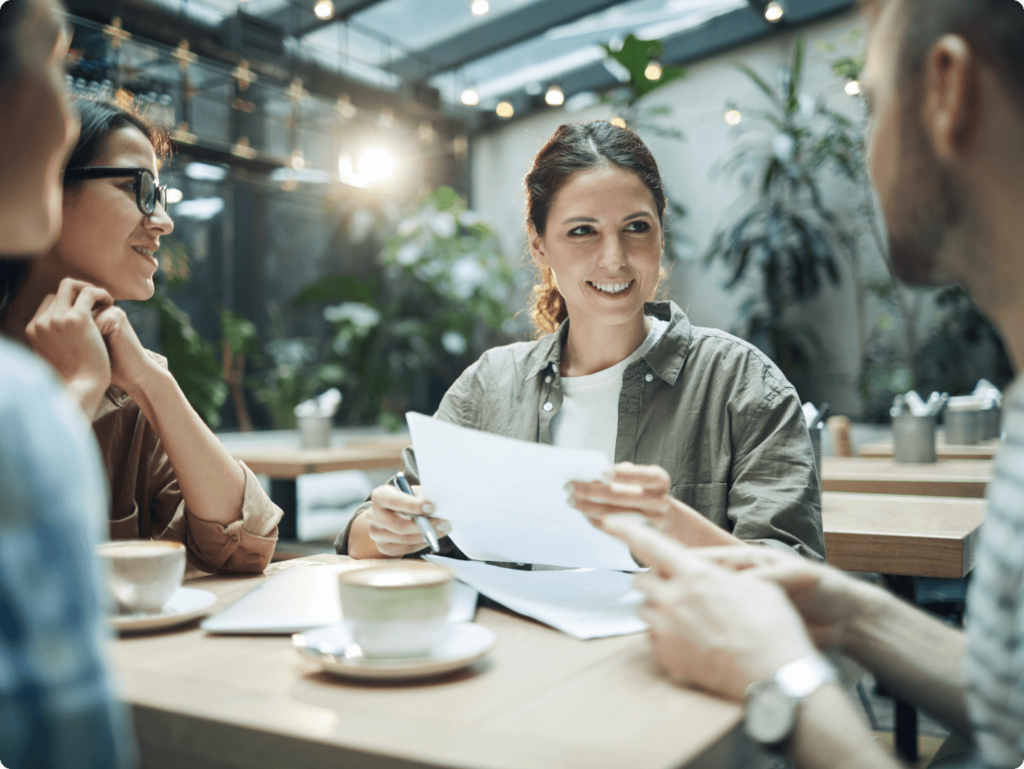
point(324, 405)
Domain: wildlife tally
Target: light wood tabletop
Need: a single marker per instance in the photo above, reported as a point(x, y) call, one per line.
point(902, 535)
point(291, 462)
point(983, 450)
point(540, 699)
point(965, 478)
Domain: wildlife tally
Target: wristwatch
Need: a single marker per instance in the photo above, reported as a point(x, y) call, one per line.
point(773, 706)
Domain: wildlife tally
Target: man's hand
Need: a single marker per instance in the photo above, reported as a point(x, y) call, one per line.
point(711, 627)
point(828, 600)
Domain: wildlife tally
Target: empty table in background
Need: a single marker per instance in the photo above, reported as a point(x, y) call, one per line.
point(965, 478)
point(983, 450)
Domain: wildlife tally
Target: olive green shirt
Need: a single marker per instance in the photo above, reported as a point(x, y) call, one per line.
point(711, 409)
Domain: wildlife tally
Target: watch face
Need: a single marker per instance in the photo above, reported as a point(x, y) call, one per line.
point(770, 714)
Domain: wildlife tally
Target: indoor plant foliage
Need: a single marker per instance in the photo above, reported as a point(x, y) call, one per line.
point(789, 238)
point(401, 337)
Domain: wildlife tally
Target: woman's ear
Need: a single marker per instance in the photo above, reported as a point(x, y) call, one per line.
point(537, 247)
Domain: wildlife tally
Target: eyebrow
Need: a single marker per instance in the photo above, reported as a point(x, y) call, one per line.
point(592, 220)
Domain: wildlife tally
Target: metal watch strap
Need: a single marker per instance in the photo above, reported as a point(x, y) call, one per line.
point(796, 681)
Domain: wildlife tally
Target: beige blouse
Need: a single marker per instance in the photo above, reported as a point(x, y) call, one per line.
point(146, 502)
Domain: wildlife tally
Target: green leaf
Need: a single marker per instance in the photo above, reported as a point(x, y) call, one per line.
point(759, 82)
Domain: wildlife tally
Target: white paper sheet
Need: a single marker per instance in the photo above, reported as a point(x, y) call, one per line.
point(585, 603)
point(506, 498)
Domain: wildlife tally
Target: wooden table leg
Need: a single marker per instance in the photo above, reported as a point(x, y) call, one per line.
point(905, 733)
point(284, 493)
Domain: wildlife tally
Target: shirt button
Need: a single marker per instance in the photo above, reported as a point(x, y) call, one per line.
point(649, 377)
point(547, 379)
point(548, 406)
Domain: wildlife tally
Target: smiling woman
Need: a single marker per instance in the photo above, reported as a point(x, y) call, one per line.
point(707, 434)
point(170, 478)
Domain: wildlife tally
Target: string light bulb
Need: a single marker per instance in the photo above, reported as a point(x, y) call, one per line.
point(324, 9)
point(653, 71)
point(470, 97)
point(774, 12)
point(618, 122)
point(733, 117)
point(853, 88)
point(174, 195)
point(554, 97)
point(505, 110)
point(480, 7)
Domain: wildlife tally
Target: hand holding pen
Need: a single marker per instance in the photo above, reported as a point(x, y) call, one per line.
point(426, 530)
point(390, 525)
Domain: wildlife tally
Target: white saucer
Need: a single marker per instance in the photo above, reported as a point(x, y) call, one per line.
point(333, 648)
point(185, 604)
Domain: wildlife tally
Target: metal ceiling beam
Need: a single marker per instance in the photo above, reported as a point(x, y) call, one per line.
point(297, 18)
point(722, 33)
point(492, 36)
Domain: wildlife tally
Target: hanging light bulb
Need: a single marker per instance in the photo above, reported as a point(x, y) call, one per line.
point(324, 9)
point(470, 97)
point(480, 7)
point(653, 71)
point(505, 109)
point(618, 122)
point(554, 96)
point(298, 161)
point(853, 88)
point(174, 195)
point(733, 117)
point(774, 11)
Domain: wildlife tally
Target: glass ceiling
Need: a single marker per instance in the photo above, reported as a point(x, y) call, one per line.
point(392, 30)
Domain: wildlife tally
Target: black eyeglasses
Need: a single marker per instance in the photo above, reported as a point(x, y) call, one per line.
point(147, 192)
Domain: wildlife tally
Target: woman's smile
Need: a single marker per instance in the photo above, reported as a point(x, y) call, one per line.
point(615, 288)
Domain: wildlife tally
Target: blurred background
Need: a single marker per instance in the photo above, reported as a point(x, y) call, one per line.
point(346, 186)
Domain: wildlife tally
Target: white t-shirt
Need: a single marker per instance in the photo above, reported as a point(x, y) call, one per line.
point(589, 416)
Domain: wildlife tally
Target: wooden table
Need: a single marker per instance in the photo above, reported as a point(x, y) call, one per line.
point(983, 450)
point(541, 699)
point(284, 465)
point(902, 535)
point(902, 538)
point(965, 478)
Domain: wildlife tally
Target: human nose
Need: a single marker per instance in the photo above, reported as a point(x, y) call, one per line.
point(612, 255)
point(159, 221)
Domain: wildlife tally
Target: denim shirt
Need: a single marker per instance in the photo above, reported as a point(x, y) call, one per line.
point(711, 409)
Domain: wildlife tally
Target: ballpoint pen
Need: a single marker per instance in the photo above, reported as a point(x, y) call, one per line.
point(429, 535)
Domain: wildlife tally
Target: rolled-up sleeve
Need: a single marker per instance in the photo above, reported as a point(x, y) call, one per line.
point(773, 496)
point(245, 545)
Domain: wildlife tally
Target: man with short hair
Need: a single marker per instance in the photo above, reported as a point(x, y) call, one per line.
point(945, 83)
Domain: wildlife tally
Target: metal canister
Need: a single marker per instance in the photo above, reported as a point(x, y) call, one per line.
point(993, 423)
point(914, 439)
point(315, 432)
point(964, 427)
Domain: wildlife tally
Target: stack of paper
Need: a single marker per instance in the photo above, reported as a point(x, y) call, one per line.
point(506, 502)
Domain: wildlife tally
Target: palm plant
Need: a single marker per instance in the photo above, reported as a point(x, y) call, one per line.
point(789, 238)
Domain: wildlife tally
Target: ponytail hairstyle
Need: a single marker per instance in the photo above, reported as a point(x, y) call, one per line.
point(577, 147)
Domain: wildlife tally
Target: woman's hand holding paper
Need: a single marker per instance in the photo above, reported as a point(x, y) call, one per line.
point(388, 527)
point(645, 489)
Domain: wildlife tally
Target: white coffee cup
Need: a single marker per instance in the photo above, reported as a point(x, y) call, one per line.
point(399, 610)
point(143, 574)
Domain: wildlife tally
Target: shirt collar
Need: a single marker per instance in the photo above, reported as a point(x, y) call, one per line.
point(665, 358)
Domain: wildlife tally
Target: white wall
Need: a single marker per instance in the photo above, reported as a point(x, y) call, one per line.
point(502, 158)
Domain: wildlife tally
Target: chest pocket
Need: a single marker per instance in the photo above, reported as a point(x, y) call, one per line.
point(709, 499)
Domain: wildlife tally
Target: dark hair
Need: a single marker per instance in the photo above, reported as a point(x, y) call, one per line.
point(579, 147)
point(993, 28)
point(100, 117)
point(12, 14)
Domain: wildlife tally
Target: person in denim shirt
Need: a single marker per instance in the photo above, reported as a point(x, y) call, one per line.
point(56, 704)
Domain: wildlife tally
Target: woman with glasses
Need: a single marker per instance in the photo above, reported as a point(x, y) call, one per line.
point(170, 478)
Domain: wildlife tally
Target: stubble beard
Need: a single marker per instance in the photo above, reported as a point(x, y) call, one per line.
point(927, 205)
